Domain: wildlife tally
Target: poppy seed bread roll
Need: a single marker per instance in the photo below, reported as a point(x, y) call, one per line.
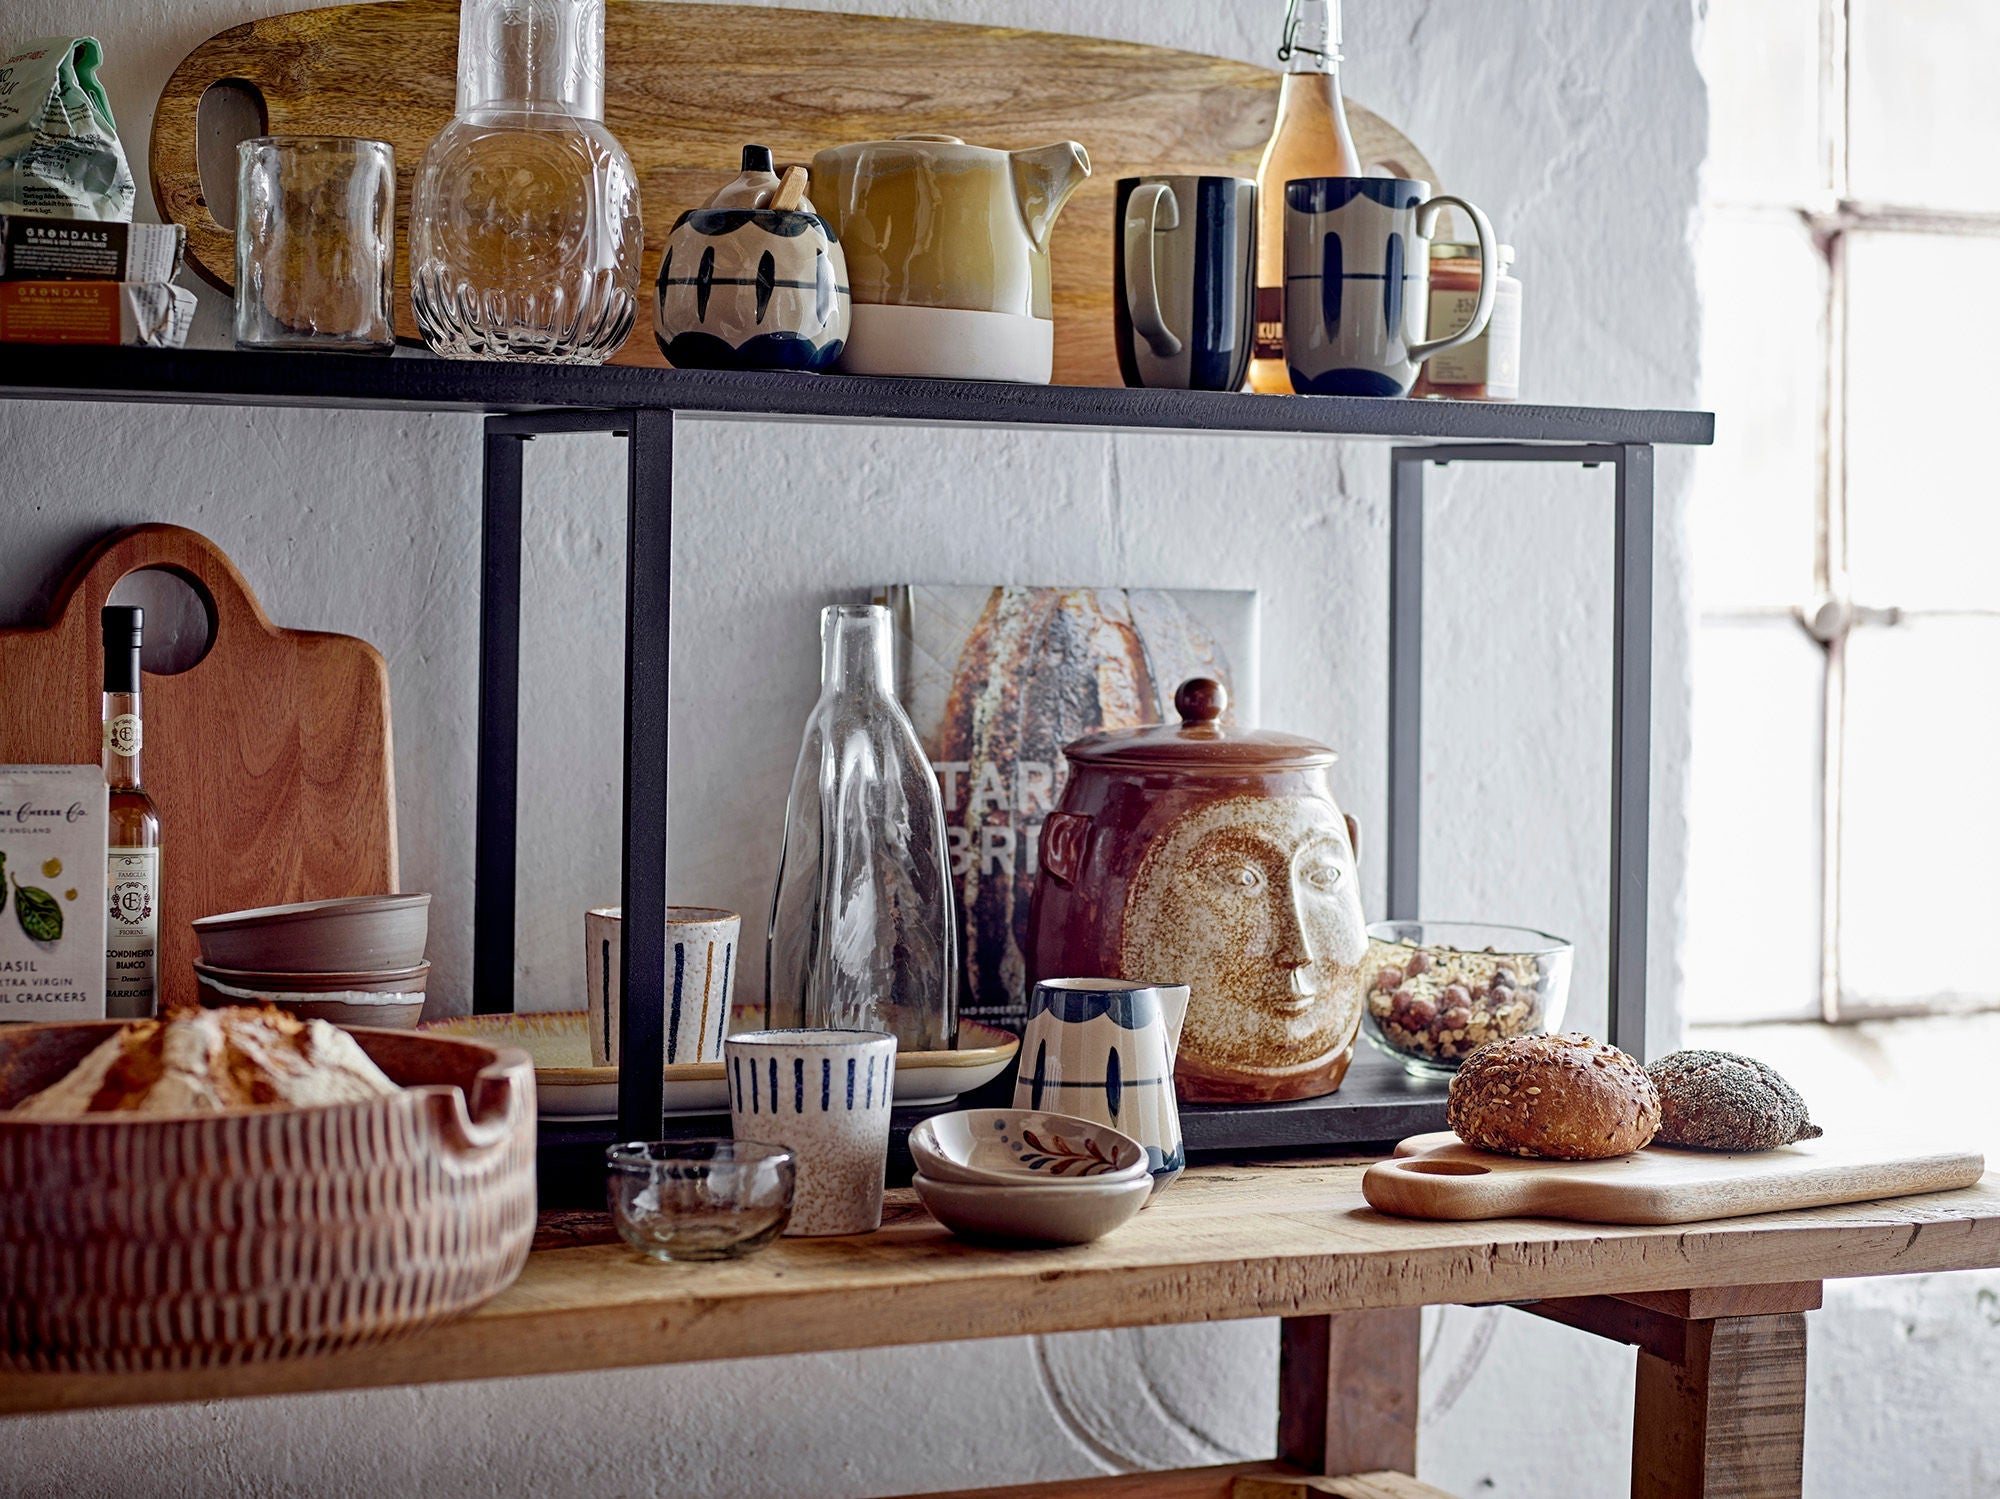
point(1564, 1098)
point(1719, 1100)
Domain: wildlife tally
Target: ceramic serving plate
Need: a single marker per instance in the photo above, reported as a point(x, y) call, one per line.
point(568, 1087)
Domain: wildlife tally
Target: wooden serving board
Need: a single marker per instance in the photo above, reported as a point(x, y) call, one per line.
point(269, 759)
point(1439, 1176)
point(688, 85)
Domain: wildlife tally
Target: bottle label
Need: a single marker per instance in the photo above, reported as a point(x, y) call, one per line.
point(1270, 336)
point(132, 935)
point(123, 734)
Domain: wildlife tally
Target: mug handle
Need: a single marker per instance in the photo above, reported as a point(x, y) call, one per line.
point(1427, 215)
point(1149, 210)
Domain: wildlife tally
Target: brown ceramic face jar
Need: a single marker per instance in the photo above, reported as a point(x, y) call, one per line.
point(1213, 857)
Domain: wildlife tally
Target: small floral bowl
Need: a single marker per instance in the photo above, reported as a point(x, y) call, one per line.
point(1023, 1147)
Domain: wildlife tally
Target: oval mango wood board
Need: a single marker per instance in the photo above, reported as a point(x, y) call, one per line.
point(269, 758)
point(688, 85)
point(1439, 1176)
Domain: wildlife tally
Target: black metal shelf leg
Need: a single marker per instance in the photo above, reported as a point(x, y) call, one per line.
point(499, 723)
point(1631, 748)
point(648, 610)
point(1406, 680)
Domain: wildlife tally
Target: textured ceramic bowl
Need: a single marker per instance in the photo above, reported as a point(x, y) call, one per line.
point(351, 935)
point(1023, 1147)
point(388, 1012)
point(698, 1199)
point(1059, 1213)
point(181, 1242)
point(263, 983)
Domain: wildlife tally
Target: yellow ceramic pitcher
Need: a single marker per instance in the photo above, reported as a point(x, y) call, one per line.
point(948, 253)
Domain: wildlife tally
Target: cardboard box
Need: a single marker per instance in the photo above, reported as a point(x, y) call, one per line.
point(41, 249)
point(138, 314)
point(54, 825)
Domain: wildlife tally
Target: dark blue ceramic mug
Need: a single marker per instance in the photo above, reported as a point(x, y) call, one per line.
point(1357, 283)
point(1184, 265)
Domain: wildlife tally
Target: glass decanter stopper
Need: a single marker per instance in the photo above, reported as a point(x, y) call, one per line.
point(861, 931)
point(524, 224)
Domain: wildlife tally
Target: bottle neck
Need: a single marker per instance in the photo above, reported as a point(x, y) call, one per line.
point(123, 736)
point(1312, 37)
point(856, 650)
point(534, 56)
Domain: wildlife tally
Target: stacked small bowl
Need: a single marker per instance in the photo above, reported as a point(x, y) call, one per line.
point(353, 961)
point(1024, 1176)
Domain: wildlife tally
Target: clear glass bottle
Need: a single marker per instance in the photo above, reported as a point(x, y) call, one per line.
point(132, 933)
point(861, 932)
point(524, 223)
point(1309, 138)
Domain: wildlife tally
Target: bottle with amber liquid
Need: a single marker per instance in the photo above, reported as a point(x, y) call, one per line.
point(1309, 139)
point(132, 936)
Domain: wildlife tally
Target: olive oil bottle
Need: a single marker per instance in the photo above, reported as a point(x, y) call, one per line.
point(132, 934)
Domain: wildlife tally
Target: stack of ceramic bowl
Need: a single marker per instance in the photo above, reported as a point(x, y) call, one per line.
point(1023, 1176)
point(355, 961)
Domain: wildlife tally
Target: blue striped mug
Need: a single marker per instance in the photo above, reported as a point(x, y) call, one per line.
point(824, 1095)
point(1357, 283)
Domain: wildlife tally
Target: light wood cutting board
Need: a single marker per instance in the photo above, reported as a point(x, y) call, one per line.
point(269, 759)
point(1439, 1176)
point(688, 85)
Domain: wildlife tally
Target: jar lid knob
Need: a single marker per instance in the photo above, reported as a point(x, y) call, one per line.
point(1200, 701)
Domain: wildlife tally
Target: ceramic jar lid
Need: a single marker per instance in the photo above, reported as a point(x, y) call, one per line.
point(1200, 741)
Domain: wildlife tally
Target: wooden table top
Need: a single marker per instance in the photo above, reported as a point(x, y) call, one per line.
point(1261, 1240)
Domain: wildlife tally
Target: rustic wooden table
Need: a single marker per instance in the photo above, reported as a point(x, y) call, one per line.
point(1716, 1311)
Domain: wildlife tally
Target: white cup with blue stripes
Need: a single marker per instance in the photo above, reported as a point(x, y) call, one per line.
point(701, 978)
point(1357, 283)
point(824, 1095)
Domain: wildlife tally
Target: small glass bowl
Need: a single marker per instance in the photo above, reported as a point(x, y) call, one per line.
point(698, 1199)
point(1436, 990)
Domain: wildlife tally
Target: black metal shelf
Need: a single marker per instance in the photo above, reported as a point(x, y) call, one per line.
point(212, 377)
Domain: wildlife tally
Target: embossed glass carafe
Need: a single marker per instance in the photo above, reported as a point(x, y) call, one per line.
point(524, 224)
point(861, 931)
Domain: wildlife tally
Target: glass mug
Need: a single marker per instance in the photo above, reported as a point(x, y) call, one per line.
point(315, 243)
point(1357, 283)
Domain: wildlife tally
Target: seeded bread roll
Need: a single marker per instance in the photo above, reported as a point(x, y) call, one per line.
point(1566, 1098)
point(1717, 1100)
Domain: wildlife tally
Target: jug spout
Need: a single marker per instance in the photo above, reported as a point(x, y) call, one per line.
point(1043, 180)
point(1173, 1009)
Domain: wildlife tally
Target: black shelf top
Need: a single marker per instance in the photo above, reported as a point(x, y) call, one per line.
point(217, 377)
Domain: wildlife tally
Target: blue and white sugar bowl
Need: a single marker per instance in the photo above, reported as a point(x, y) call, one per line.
point(752, 289)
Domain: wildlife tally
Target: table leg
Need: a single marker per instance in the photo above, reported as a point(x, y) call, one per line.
point(1727, 1420)
point(1347, 1391)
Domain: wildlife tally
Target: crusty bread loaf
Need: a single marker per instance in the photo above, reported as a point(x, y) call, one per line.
point(1566, 1097)
point(208, 1061)
point(1719, 1100)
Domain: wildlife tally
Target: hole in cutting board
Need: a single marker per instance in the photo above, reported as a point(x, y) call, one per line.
point(180, 618)
point(231, 112)
point(1446, 1168)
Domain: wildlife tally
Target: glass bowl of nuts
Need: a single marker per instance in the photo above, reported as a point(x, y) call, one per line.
point(1439, 989)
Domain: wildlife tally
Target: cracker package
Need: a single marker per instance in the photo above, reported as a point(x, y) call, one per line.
point(53, 831)
point(59, 150)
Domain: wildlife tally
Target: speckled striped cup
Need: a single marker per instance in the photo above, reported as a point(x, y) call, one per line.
point(701, 975)
point(823, 1095)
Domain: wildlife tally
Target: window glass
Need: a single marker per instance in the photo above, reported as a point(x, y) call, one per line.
point(1924, 112)
point(1923, 504)
point(1756, 495)
point(1761, 59)
point(1753, 902)
point(1920, 805)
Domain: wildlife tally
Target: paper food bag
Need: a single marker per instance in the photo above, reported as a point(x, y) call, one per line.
point(59, 150)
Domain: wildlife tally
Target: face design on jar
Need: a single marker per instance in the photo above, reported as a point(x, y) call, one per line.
point(1251, 902)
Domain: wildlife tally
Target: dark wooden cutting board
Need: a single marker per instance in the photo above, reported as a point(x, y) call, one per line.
point(688, 85)
point(269, 759)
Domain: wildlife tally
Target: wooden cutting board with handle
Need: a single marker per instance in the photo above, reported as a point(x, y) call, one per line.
point(1439, 1176)
point(269, 759)
point(687, 86)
